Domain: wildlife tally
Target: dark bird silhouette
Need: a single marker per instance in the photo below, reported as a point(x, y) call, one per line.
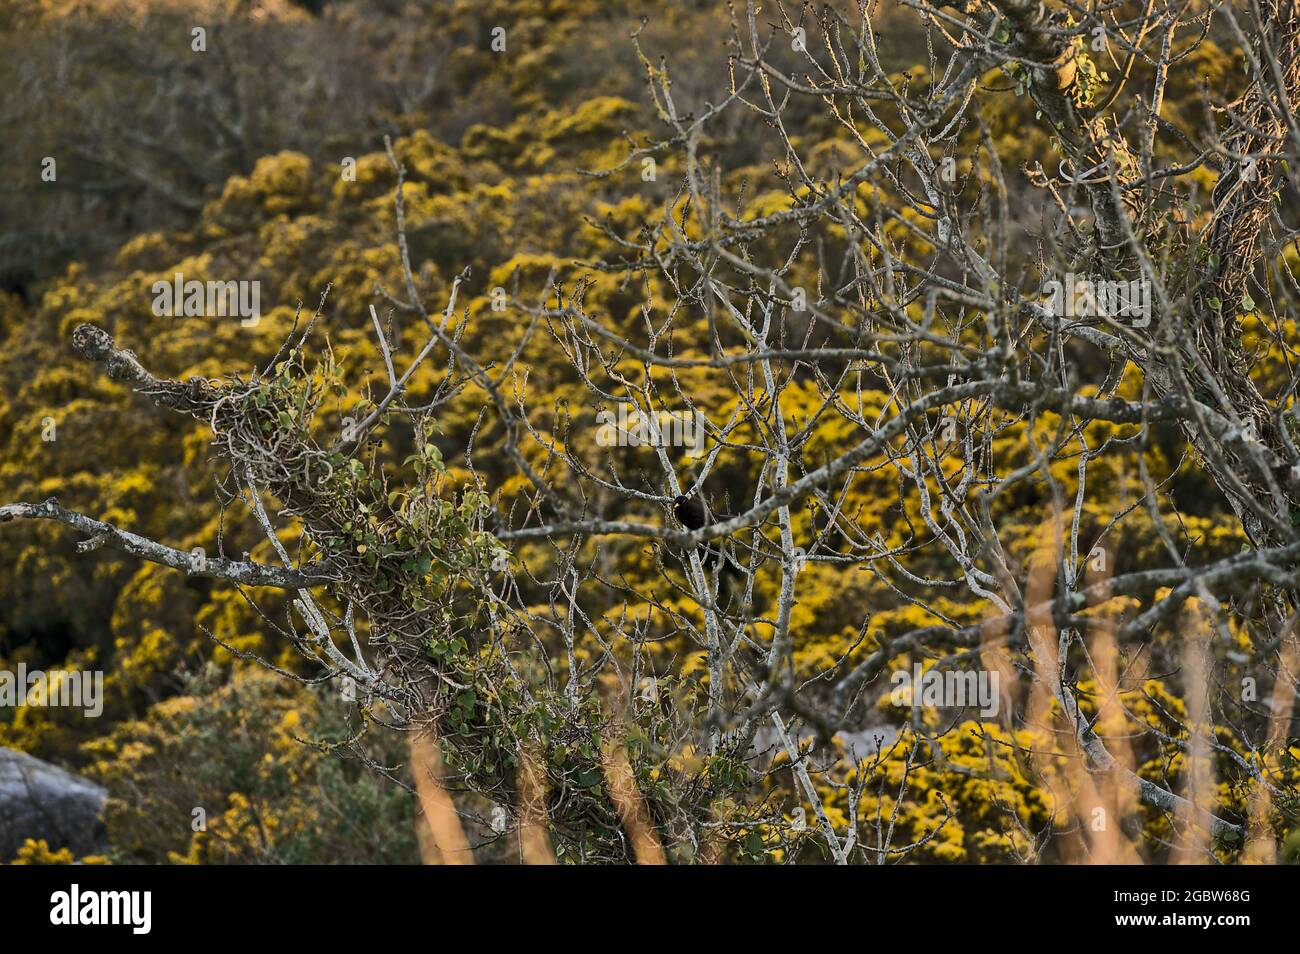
point(691, 514)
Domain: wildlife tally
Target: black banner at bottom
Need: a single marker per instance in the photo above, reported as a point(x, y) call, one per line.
point(138, 905)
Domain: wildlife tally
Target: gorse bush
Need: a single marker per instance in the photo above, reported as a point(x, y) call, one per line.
point(231, 773)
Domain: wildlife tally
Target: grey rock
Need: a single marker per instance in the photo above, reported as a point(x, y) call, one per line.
point(40, 800)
